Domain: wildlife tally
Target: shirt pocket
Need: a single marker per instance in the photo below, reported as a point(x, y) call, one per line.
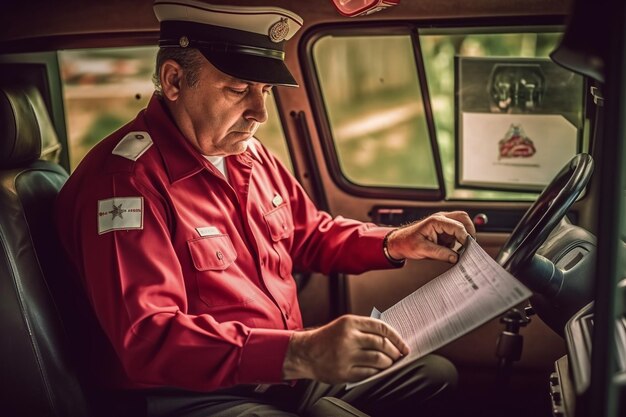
point(212, 253)
point(280, 226)
point(220, 284)
point(279, 222)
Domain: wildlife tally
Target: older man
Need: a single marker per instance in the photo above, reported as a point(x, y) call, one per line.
point(185, 230)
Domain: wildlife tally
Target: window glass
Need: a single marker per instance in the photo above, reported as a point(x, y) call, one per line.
point(103, 89)
point(272, 136)
point(439, 50)
point(373, 101)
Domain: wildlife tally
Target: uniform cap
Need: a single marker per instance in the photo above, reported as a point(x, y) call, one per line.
point(244, 42)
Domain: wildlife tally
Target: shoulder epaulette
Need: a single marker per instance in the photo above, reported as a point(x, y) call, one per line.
point(133, 145)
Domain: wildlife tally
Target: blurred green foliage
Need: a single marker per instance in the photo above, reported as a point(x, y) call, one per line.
point(374, 106)
point(102, 126)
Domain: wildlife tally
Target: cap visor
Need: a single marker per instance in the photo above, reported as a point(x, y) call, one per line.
point(252, 68)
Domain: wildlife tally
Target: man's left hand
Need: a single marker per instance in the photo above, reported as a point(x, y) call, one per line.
point(431, 238)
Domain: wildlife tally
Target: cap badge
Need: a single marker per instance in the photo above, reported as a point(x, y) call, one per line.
point(279, 30)
point(183, 41)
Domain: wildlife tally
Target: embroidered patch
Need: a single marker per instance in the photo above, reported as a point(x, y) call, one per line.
point(120, 213)
point(133, 145)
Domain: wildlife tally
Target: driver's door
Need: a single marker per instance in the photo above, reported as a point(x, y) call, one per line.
point(405, 121)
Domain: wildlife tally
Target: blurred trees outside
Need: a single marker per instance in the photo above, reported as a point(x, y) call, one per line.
point(104, 89)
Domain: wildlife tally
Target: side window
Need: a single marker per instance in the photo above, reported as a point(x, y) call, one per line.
point(103, 89)
point(374, 106)
point(441, 51)
point(378, 121)
point(272, 136)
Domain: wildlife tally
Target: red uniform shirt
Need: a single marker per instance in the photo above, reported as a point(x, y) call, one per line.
point(189, 274)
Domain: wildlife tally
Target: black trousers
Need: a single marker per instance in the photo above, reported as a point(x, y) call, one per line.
point(422, 388)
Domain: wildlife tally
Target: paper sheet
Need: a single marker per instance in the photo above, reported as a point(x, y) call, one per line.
point(469, 294)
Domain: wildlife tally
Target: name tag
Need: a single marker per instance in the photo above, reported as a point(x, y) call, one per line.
point(277, 200)
point(207, 231)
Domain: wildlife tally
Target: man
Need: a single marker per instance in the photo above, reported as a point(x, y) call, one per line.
point(185, 232)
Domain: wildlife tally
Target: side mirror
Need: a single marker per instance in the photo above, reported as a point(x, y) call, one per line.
point(353, 8)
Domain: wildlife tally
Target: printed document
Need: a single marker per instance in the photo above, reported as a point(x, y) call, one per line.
point(472, 292)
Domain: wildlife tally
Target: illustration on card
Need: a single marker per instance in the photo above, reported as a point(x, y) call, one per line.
point(515, 144)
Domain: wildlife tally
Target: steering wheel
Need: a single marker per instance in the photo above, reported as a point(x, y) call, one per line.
point(545, 213)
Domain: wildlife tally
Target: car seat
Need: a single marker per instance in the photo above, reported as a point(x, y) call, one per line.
point(38, 363)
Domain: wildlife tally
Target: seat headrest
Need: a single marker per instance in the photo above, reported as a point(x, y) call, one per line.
point(26, 132)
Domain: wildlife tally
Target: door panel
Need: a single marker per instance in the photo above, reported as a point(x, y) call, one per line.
point(370, 166)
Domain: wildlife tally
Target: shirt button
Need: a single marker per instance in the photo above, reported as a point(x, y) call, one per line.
point(219, 255)
point(284, 226)
point(139, 136)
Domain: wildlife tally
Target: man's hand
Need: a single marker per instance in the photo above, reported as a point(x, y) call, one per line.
point(432, 238)
point(347, 349)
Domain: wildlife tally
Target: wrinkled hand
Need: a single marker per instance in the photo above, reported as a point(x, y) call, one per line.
point(431, 238)
point(348, 349)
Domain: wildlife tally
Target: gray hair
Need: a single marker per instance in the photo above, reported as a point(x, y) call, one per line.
point(190, 59)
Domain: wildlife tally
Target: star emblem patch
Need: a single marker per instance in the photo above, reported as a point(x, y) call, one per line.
point(120, 213)
point(117, 212)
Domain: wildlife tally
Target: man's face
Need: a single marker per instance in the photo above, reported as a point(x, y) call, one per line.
point(220, 113)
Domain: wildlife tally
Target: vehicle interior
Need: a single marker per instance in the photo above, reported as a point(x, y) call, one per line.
point(510, 110)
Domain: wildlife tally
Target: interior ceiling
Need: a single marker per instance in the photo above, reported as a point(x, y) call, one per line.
point(43, 18)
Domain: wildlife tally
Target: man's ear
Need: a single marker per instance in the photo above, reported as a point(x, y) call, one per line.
point(171, 79)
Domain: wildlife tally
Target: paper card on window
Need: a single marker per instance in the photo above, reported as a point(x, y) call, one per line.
point(515, 149)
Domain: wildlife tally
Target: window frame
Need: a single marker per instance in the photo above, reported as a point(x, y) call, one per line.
point(322, 120)
point(414, 29)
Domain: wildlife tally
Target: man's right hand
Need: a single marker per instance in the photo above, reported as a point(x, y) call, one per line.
point(347, 349)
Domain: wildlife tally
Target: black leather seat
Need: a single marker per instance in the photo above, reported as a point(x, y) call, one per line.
point(37, 361)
